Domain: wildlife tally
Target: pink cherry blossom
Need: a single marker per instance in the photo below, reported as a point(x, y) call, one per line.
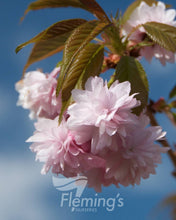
point(100, 112)
point(37, 92)
point(145, 13)
point(138, 155)
point(55, 146)
point(96, 179)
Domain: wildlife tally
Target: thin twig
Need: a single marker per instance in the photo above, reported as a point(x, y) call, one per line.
point(164, 142)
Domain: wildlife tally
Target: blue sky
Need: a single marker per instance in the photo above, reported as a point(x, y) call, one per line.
point(24, 193)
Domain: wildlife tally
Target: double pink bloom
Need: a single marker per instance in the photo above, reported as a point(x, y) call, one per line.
point(101, 138)
point(37, 92)
point(143, 14)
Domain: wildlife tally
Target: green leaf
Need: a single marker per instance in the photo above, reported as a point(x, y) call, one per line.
point(80, 37)
point(172, 93)
point(162, 34)
point(133, 6)
point(129, 69)
point(87, 63)
point(95, 8)
point(44, 49)
point(115, 44)
point(89, 5)
point(94, 65)
point(53, 31)
point(51, 40)
point(65, 105)
point(33, 40)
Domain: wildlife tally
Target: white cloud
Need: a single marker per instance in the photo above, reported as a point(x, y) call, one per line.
point(23, 191)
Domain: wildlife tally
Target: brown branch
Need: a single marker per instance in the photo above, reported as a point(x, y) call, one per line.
point(164, 142)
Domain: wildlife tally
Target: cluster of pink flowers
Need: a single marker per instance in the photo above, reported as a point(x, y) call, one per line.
point(100, 138)
point(143, 14)
point(38, 94)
